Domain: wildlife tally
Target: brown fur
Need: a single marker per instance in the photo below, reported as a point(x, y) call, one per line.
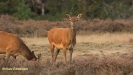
point(12, 45)
point(63, 38)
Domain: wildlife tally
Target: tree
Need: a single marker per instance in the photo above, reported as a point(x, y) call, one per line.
point(23, 11)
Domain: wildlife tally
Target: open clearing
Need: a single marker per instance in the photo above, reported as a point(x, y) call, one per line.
point(97, 54)
point(115, 44)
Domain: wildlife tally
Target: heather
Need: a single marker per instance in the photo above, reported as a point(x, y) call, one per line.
point(91, 65)
point(32, 28)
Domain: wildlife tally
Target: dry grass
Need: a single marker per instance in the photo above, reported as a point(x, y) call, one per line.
point(35, 40)
point(87, 44)
point(93, 55)
point(106, 38)
point(94, 38)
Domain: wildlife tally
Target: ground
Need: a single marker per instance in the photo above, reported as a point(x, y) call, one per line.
point(98, 44)
point(94, 54)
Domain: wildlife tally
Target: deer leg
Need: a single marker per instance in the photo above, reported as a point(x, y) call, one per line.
point(7, 55)
point(52, 51)
point(71, 52)
point(64, 53)
point(56, 53)
point(14, 56)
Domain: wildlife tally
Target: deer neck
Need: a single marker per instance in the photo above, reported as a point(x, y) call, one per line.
point(73, 32)
point(26, 53)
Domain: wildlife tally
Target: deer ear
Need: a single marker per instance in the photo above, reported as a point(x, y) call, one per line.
point(68, 16)
point(79, 16)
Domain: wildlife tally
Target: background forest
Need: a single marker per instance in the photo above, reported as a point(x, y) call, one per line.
point(99, 16)
point(55, 9)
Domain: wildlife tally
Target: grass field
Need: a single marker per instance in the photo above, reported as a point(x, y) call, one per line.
point(108, 42)
point(97, 54)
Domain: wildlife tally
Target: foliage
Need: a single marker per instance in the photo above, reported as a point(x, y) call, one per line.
point(56, 9)
point(23, 12)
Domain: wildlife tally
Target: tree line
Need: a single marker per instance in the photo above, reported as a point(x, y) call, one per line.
point(55, 10)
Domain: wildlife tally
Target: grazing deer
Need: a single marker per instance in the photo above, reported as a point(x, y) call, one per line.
point(63, 38)
point(12, 45)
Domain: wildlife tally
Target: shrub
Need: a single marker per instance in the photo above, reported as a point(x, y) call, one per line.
point(32, 28)
point(23, 11)
point(93, 65)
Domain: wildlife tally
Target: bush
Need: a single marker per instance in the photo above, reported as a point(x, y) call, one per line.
point(92, 65)
point(32, 28)
point(23, 11)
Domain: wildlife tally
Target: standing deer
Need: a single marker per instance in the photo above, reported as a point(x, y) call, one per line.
point(63, 38)
point(12, 45)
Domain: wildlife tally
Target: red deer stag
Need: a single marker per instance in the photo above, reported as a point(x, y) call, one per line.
point(63, 38)
point(12, 45)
